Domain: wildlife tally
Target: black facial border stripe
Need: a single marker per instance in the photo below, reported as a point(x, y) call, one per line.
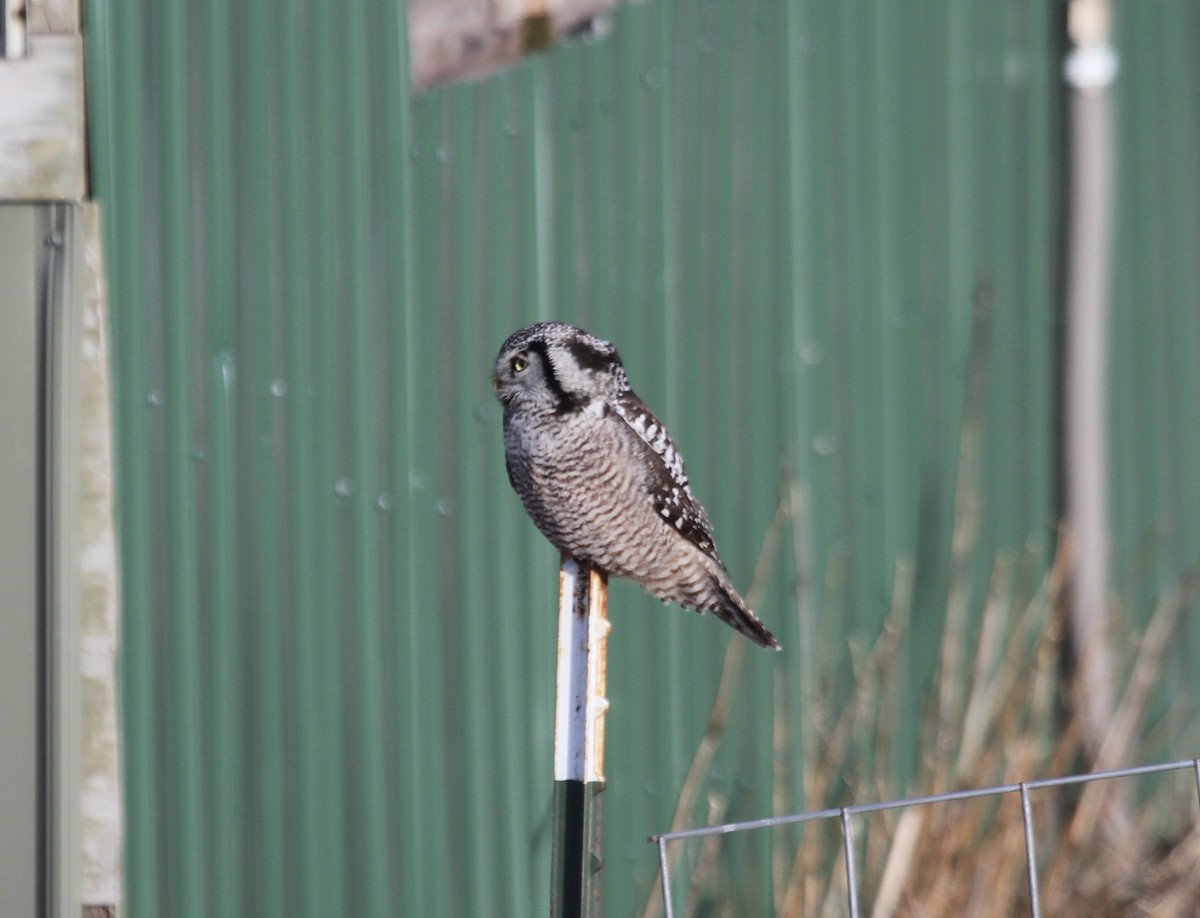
point(565, 402)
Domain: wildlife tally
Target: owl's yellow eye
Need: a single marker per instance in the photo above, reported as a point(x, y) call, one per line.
point(519, 364)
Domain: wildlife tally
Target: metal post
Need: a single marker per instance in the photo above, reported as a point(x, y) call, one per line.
point(580, 707)
point(664, 867)
point(1090, 69)
point(1030, 853)
point(851, 872)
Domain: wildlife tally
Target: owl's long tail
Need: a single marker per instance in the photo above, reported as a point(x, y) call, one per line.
point(730, 608)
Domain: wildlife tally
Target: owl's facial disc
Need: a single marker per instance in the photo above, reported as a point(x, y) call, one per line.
point(516, 372)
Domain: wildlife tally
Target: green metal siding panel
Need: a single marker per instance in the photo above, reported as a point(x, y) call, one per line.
point(1155, 324)
point(338, 625)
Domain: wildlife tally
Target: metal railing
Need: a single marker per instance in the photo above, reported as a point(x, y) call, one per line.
point(845, 813)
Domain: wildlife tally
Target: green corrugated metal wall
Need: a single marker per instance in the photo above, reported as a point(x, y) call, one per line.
point(1155, 386)
point(337, 661)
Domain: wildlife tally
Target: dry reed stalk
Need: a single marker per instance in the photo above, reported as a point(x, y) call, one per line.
point(802, 894)
point(780, 802)
point(709, 852)
point(718, 718)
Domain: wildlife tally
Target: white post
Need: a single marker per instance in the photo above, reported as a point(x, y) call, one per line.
point(580, 706)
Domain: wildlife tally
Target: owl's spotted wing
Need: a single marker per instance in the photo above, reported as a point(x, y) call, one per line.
point(669, 490)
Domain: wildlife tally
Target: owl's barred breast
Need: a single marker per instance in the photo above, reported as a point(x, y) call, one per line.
point(584, 484)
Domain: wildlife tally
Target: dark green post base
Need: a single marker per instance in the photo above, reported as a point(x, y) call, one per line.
point(575, 880)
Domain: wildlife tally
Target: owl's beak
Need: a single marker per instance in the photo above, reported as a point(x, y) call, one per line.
point(495, 382)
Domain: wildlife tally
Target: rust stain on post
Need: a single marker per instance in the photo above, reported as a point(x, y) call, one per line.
point(597, 674)
point(581, 702)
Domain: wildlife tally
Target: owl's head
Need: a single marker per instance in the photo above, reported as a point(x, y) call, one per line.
point(555, 367)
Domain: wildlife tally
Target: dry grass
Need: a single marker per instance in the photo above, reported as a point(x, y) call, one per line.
point(999, 713)
point(1005, 723)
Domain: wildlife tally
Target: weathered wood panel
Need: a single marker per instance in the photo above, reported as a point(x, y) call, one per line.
point(41, 122)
